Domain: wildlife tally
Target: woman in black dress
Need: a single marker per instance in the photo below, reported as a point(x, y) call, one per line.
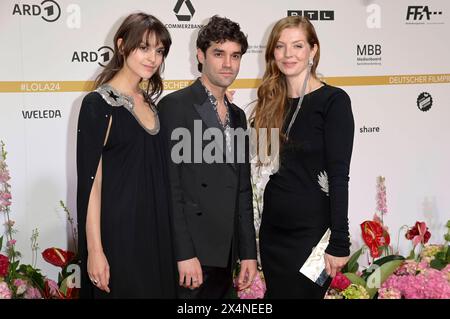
point(309, 192)
point(124, 222)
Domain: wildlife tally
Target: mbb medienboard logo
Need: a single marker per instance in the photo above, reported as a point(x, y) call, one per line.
point(184, 11)
point(368, 54)
point(102, 56)
point(48, 10)
point(423, 15)
point(313, 15)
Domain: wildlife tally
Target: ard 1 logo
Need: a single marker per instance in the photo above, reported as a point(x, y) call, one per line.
point(48, 10)
point(102, 56)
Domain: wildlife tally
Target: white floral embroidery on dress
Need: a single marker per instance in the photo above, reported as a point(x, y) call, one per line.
point(323, 182)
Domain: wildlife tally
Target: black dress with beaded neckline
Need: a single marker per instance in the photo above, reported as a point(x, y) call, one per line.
point(136, 230)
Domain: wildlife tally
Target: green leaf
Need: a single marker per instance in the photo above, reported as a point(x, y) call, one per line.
point(448, 255)
point(448, 223)
point(412, 255)
point(379, 262)
point(386, 259)
point(1, 243)
point(64, 287)
point(355, 279)
point(379, 275)
point(440, 255)
point(352, 265)
point(14, 265)
point(438, 264)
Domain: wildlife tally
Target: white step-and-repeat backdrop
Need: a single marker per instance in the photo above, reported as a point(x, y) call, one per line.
point(392, 57)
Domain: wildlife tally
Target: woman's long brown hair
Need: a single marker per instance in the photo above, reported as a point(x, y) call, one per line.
point(131, 31)
point(269, 111)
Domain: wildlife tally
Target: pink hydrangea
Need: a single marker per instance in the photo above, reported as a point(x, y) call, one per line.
point(32, 293)
point(446, 272)
point(411, 267)
point(21, 286)
point(53, 288)
point(391, 293)
point(428, 283)
point(255, 291)
point(5, 292)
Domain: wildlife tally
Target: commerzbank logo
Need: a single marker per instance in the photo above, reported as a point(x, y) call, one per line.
point(48, 10)
point(184, 10)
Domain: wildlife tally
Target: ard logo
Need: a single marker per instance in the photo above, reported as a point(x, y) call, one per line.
point(48, 10)
point(102, 56)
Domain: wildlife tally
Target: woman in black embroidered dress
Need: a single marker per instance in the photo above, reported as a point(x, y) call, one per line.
point(124, 221)
point(309, 192)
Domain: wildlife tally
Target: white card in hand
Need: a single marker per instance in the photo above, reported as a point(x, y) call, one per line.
point(314, 266)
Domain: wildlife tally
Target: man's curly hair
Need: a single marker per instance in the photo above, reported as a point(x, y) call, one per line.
point(219, 30)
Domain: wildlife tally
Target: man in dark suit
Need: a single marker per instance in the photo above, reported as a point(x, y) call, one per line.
point(211, 189)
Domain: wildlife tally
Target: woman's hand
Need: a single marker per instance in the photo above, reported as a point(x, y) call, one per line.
point(333, 264)
point(98, 270)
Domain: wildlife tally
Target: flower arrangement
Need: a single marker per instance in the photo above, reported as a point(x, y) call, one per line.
point(22, 281)
point(423, 275)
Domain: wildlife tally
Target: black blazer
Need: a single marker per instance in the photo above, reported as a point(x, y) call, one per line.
point(212, 202)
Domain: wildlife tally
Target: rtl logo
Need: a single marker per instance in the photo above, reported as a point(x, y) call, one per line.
point(313, 15)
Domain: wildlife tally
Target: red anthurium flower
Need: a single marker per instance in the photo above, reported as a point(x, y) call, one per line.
point(4, 264)
point(418, 234)
point(374, 236)
point(57, 256)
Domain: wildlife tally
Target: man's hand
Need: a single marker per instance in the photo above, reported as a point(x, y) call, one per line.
point(247, 273)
